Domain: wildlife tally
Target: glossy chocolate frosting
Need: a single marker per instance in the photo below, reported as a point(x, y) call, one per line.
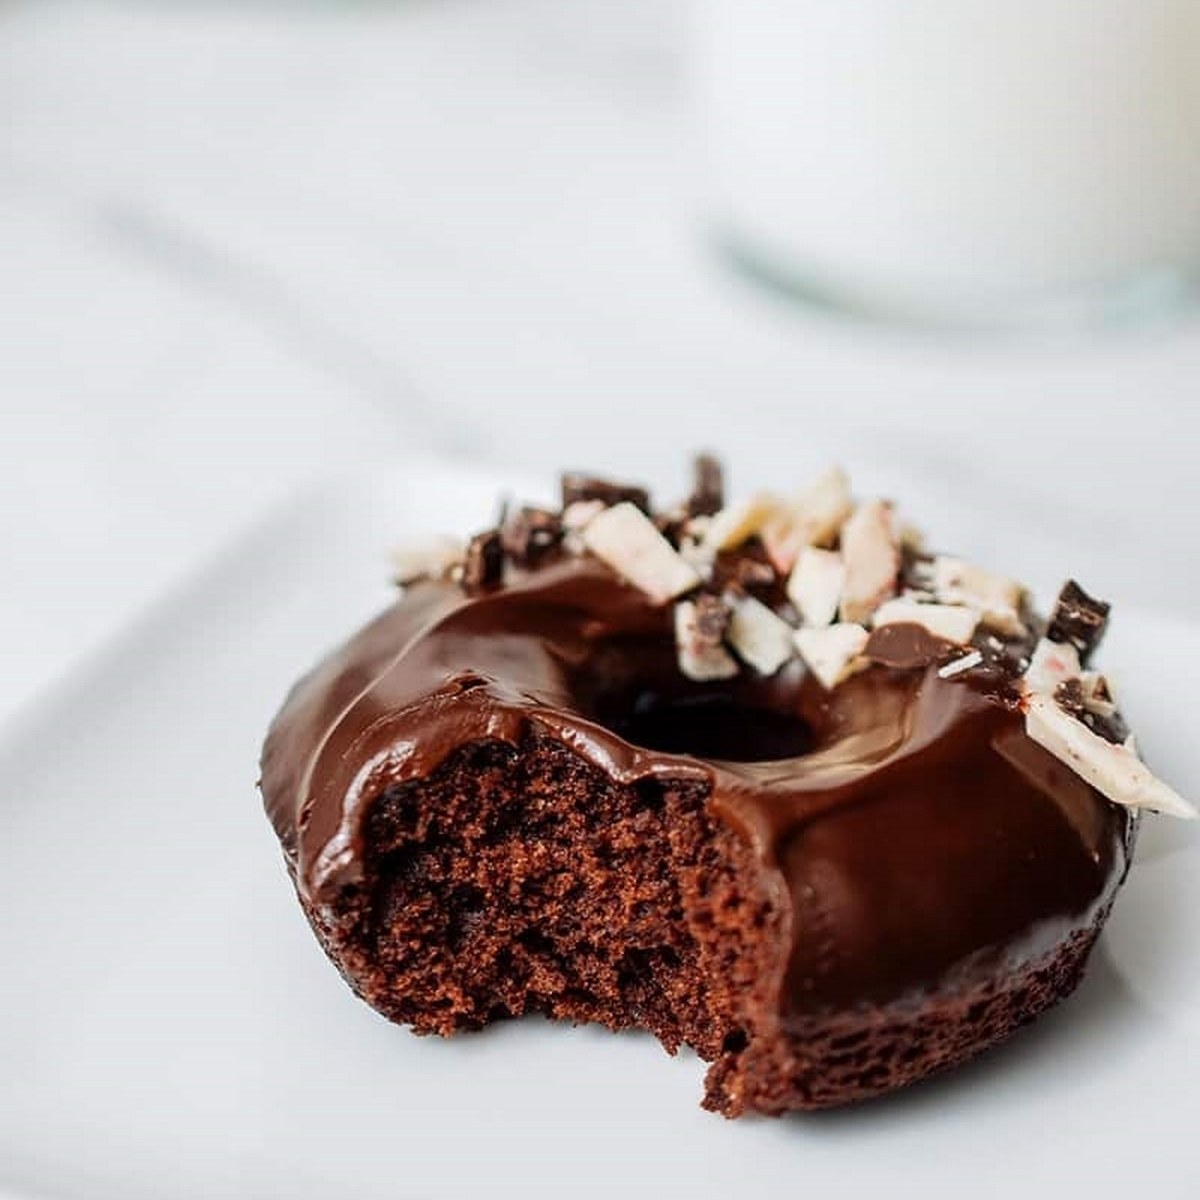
point(906, 821)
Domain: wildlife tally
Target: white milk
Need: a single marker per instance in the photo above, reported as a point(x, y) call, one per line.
point(922, 154)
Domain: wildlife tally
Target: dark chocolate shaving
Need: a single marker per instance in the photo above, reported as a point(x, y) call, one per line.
point(1078, 619)
point(1069, 697)
point(1111, 729)
point(708, 487)
point(577, 487)
point(753, 573)
point(748, 569)
point(530, 535)
point(484, 563)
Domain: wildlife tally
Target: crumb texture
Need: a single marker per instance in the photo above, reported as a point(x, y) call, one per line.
point(521, 879)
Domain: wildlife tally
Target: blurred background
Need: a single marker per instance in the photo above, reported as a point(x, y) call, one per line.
point(245, 245)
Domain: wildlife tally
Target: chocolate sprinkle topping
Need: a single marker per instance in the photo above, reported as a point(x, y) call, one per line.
point(1078, 619)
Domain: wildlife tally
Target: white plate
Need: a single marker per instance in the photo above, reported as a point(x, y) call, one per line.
point(169, 1028)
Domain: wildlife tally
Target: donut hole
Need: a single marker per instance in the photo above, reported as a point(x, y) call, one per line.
point(712, 726)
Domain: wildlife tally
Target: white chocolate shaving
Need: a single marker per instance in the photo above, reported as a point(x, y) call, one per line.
point(1052, 663)
point(950, 621)
point(429, 560)
point(872, 558)
point(832, 653)
point(812, 519)
point(761, 637)
point(1098, 696)
point(782, 540)
point(625, 538)
point(1114, 771)
point(997, 598)
point(825, 506)
point(815, 585)
point(959, 665)
point(739, 522)
point(579, 514)
point(698, 659)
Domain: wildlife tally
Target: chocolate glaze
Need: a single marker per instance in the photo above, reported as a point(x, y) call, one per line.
point(912, 830)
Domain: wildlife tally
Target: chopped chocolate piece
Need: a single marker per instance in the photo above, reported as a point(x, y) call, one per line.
point(1078, 619)
point(907, 646)
point(833, 652)
point(736, 524)
point(761, 637)
point(484, 564)
point(916, 569)
point(692, 546)
point(1098, 695)
point(712, 618)
point(708, 487)
point(997, 598)
point(751, 572)
point(954, 622)
point(824, 507)
point(811, 519)
point(1051, 664)
point(530, 534)
point(625, 538)
point(577, 514)
point(1069, 695)
point(576, 487)
point(701, 655)
point(815, 585)
point(872, 559)
point(1077, 696)
point(746, 570)
point(1114, 770)
point(672, 525)
point(1111, 728)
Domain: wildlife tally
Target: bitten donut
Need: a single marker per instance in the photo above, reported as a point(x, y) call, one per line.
point(766, 779)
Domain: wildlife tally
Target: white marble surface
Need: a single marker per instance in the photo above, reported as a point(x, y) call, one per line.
point(243, 244)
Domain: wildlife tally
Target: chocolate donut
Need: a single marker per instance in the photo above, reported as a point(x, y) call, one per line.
point(655, 771)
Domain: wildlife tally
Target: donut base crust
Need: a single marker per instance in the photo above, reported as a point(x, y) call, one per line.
point(521, 879)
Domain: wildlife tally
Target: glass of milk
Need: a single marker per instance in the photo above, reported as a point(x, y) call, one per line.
point(958, 160)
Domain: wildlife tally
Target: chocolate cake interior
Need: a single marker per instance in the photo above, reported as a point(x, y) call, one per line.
point(521, 879)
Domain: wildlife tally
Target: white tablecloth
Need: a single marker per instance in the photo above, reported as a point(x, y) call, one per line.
point(243, 244)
